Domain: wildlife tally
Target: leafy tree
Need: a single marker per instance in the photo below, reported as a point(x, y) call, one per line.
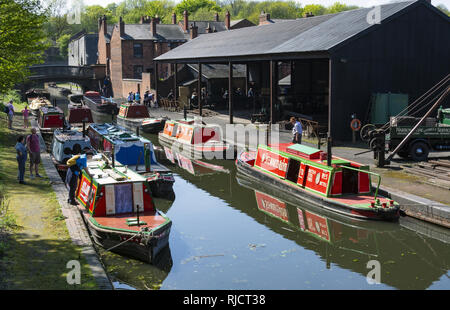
point(444, 9)
point(316, 9)
point(339, 7)
point(193, 5)
point(63, 44)
point(22, 40)
point(161, 8)
point(89, 18)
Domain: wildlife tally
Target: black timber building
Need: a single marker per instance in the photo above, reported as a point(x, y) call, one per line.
point(337, 61)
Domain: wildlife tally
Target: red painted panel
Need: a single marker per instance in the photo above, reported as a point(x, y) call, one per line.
point(168, 129)
point(100, 205)
point(337, 184)
point(364, 182)
point(107, 146)
point(148, 201)
point(52, 121)
point(271, 205)
point(83, 190)
point(317, 179)
point(185, 133)
point(317, 225)
point(272, 162)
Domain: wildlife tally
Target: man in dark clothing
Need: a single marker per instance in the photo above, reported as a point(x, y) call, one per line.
point(21, 158)
point(75, 165)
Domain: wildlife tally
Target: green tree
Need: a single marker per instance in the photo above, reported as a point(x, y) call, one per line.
point(89, 18)
point(193, 5)
point(63, 44)
point(22, 40)
point(161, 8)
point(316, 9)
point(444, 9)
point(339, 7)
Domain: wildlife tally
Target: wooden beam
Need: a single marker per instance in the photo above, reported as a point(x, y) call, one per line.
point(230, 91)
point(199, 88)
point(273, 87)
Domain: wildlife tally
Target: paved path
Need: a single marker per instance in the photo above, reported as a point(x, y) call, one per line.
point(75, 224)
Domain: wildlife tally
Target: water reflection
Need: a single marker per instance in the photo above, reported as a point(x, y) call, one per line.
point(230, 233)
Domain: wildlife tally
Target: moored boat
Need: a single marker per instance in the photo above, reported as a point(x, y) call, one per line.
point(120, 212)
point(134, 151)
point(37, 103)
point(49, 119)
point(136, 115)
point(78, 112)
point(67, 143)
point(99, 104)
point(300, 171)
point(195, 139)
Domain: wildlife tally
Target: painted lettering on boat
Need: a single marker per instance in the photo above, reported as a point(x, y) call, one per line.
point(271, 205)
point(185, 133)
point(168, 129)
point(87, 192)
point(317, 179)
point(272, 162)
point(301, 219)
point(317, 225)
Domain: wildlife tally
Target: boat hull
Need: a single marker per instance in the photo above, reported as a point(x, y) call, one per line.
point(101, 108)
point(147, 128)
point(145, 249)
point(391, 214)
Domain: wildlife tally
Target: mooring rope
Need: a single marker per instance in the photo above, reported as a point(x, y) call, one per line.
point(124, 241)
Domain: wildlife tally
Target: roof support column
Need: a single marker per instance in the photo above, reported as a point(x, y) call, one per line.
point(230, 91)
point(156, 73)
point(246, 79)
point(273, 88)
point(329, 139)
point(199, 89)
point(175, 80)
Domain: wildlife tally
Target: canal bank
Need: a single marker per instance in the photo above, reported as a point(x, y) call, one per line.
point(47, 236)
point(418, 198)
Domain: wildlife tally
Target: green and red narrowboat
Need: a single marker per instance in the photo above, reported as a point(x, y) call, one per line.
point(194, 139)
point(120, 212)
point(344, 187)
point(135, 115)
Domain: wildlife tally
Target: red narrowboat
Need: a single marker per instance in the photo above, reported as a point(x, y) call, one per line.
point(194, 139)
point(136, 115)
point(120, 212)
point(78, 112)
point(49, 119)
point(343, 187)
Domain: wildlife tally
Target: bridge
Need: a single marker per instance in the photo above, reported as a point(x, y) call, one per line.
point(88, 77)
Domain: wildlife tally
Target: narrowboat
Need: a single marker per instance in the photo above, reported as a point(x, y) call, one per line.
point(119, 210)
point(49, 119)
point(78, 112)
point(135, 115)
point(134, 151)
point(99, 104)
point(35, 93)
point(343, 187)
point(37, 103)
point(67, 143)
point(195, 139)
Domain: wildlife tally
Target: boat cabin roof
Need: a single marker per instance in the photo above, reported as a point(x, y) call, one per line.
point(117, 134)
point(105, 174)
point(69, 135)
point(51, 110)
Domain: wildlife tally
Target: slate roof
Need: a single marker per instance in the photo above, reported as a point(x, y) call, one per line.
point(164, 32)
point(312, 34)
point(202, 25)
point(109, 29)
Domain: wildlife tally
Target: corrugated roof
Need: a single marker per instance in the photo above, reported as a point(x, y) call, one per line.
point(318, 33)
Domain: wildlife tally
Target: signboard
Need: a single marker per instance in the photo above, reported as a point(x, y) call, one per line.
point(271, 205)
point(87, 192)
point(168, 128)
point(317, 179)
point(272, 162)
point(185, 133)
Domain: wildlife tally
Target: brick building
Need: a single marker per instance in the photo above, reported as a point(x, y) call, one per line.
point(128, 50)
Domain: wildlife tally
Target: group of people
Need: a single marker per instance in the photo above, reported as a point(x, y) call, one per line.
point(148, 99)
point(28, 147)
point(9, 111)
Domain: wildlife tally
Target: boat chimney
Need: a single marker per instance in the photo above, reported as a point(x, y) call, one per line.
point(137, 215)
point(113, 157)
point(84, 128)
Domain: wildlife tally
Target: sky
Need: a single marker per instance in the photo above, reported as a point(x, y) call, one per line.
point(361, 3)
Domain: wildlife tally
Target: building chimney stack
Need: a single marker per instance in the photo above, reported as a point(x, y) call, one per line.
point(194, 31)
point(309, 14)
point(186, 21)
point(174, 18)
point(121, 26)
point(153, 27)
point(157, 19)
point(264, 18)
point(227, 20)
point(216, 17)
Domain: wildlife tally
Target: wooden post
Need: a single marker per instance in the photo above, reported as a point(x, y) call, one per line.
point(155, 70)
point(230, 91)
point(199, 89)
point(175, 67)
point(329, 139)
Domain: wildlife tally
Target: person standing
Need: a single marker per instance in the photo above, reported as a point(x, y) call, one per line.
point(34, 150)
point(25, 113)
point(21, 158)
point(75, 165)
point(296, 130)
point(10, 113)
point(137, 98)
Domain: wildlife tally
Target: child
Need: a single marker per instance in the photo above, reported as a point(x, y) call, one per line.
point(25, 113)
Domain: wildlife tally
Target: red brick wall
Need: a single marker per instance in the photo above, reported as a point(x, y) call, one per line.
point(116, 62)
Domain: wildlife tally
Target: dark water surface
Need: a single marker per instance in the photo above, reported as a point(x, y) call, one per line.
point(230, 233)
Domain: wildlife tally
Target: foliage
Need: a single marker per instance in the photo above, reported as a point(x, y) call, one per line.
point(22, 40)
point(192, 6)
point(63, 44)
point(444, 9)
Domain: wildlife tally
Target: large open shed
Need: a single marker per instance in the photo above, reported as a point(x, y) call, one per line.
point(336, 62)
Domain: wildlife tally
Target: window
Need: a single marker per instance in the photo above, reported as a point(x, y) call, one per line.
point(137, 72)
point(137, 50)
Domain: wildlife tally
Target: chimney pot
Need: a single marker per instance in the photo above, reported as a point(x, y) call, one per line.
point(186, 21)
point(194, 31)
point(174, 18)
point(227, 20)
point(121, 26)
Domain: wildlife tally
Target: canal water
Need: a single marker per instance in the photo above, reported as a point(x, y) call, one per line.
point(231, 233)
